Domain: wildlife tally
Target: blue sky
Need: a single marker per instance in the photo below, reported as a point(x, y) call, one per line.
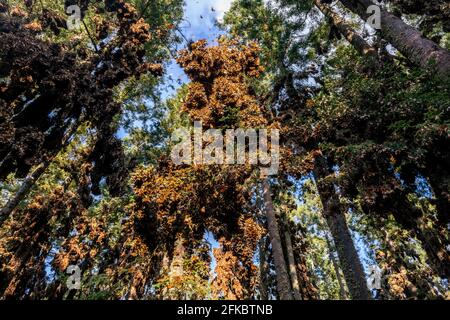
point(200, 17)
point(199, 22)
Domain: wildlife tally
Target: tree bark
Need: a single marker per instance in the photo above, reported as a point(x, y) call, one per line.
point(292, 268)
point(283, 282)
point(406, 39)
point(438, 176)
point(308, 291)
point(262, 269)
point(176, 265)
point(335, 217)
point(347, 31)
point(342, 293)
point(26, 186)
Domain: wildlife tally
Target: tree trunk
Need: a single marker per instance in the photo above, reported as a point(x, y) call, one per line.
point(342, 293)
point(308, 291)
point(406, 39)
point(176, 265)
point(291, 262)
point(438, 176)
point(347, 31)
point(262, 269)
point(283, 282)
point(26, 186)
point(436, 249)
point(335, 218)
point(433, 239)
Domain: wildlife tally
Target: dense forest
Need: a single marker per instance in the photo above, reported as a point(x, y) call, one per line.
point(353, 94)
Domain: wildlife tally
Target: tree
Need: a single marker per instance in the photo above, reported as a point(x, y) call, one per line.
point(335, 217)
point(334, 214)
point(37, 137)
point(354, 38)
point(86, 137)
point(406, 39)
point(283, 282)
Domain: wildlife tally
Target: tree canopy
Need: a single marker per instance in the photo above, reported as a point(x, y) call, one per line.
point(356, 115)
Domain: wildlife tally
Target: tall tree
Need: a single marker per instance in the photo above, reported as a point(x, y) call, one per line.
point(406, 39)
point(335, 217)
point(346, 30)
point(334, 214)
point(283, 281)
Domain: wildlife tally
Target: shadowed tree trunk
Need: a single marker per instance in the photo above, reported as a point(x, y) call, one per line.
point(439, 178)
point(283, 282)
point(335, 218)
point(24, 188)
point(406, 39)
point(435, 245)
point(342, 293)
point(308, 290)
point(434, 240)
point(262, 269)
point(291, 263)
point(176, 265)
